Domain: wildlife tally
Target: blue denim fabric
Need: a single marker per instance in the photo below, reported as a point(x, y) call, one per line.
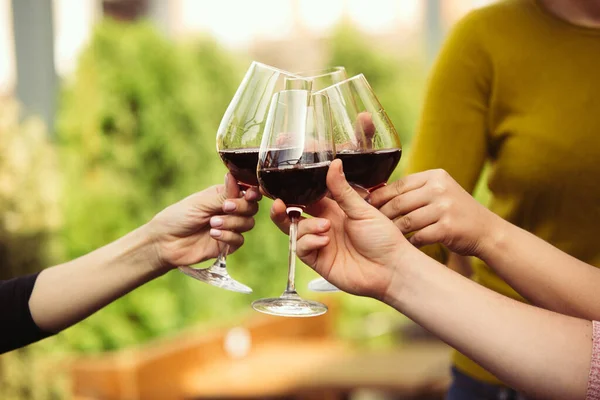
point(464, 387)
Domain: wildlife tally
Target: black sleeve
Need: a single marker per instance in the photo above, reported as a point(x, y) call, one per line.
point(17, 328)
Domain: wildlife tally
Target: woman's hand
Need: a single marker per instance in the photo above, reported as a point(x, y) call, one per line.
point(188, 232)
point(438, 210)
point(350, 243)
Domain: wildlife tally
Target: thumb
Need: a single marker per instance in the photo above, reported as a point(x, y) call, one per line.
point(349, 201)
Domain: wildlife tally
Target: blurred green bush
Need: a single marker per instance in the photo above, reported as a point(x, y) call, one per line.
point(28, 192)
point(29, 214)
point(398, 82)
point(135, 132)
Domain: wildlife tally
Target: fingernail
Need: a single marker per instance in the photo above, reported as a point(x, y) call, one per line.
point(226, 179)
point(215, 233)
point(323, 224)
point(229, 205)
point(368, 199)
point(216, 222)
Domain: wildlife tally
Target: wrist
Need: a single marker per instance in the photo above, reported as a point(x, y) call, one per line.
point(404, 263)
point(146, 247)
point(494, 237)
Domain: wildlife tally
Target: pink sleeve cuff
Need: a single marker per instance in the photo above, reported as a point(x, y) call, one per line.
point(593, 390)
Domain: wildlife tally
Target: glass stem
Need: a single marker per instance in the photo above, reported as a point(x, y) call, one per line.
point(294, 214)
point(221, 261)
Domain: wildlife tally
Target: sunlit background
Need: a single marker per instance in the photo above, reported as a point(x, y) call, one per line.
point(108, 111)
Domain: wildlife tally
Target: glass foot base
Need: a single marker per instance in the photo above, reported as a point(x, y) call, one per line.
point(321, 285)
point(216, 276)
point(292, 306)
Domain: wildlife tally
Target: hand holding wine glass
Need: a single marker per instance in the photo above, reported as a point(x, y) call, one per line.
point(438, 210)
point(188, 232)
point(349, 242)
point(365, 139)
point(295, 154)
point(238, 139)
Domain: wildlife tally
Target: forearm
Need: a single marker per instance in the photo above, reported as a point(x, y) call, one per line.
point(537, 351)
point(542, 273)
point(67, 293)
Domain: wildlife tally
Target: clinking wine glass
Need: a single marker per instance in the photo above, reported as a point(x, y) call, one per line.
point(322, 78)
point(365, 139)
point(294, 158)
point(238, 141)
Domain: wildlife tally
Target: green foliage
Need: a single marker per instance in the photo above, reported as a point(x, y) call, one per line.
point(29, 213)
point(136, 130)
point(397, 82)
point(28, 192)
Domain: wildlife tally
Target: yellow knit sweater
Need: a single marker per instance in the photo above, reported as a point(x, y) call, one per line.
point(519, 88)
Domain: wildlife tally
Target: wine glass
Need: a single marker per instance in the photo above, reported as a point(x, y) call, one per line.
point(238, 140)
point(322, 78)
point(294, 158)
point(365, 140)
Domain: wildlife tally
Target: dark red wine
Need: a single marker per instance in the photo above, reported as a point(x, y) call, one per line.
point(298, 185)
point(369, 170)
point(287, 157)
point(242, 165)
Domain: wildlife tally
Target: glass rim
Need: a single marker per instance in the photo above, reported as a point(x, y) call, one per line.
point(281, 71)
point(309, 93)
point(345, 81)
point(317, 73)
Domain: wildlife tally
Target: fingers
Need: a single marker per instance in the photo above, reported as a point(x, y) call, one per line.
point(384, 194)
point(428, 235)
point(365, 128)
point(253, 194)
point(233, 239)
point(349, 201)
point(305, 226)
point(307, 246)
point(405, 203)
point(313, 226)
point(279, 216)
point(240, 207)
point(232, 190)
point(232, 223)
point(418, 219)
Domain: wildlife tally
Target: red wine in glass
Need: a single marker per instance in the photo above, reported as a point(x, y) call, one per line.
point(296, 186)
point(295, 153)
point(371, 169)
point(242, 165)
point(238, 141)
point(365, 139)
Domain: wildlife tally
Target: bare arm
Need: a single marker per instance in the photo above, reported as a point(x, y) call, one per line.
point(542, 353)
point(542, 273)
point(67, 293)
point(359, 250)
point(438, 210)
point(183, 234)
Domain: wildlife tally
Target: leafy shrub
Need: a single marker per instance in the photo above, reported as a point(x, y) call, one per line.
point(29, 214)
point(397, 82)
point(136, 129)
point(28, 192)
